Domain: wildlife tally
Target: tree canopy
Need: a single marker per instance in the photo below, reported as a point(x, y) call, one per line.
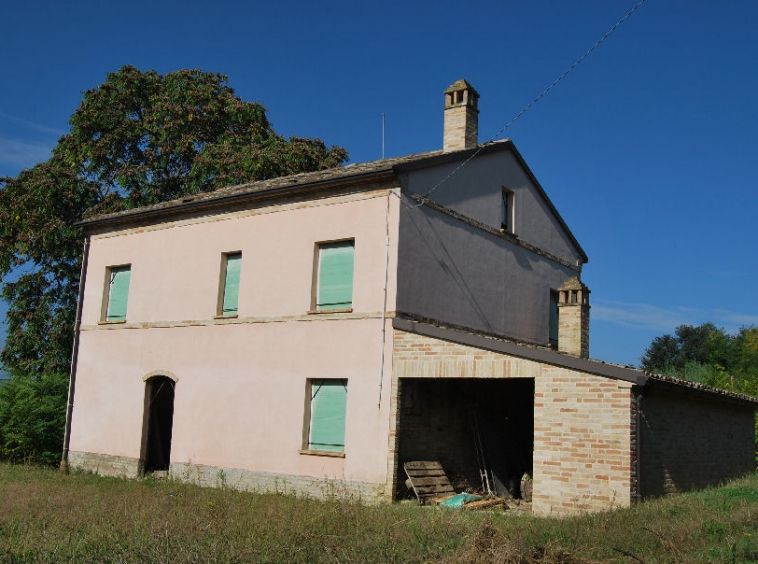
point(708, 354)
point(139, 138)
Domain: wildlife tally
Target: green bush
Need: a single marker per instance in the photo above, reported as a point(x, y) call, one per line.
point(32, 418)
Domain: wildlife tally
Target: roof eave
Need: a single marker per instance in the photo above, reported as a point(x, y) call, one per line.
point(191, 204)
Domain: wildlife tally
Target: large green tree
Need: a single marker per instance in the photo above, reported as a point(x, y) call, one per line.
point(708, 354)
point(703, 344)
point(139, 138)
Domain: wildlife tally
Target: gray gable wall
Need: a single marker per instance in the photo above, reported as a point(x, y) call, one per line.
point(476, 191)
point(455, 265)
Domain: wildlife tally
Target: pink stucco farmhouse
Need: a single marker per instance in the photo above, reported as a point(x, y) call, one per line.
point(314, 333)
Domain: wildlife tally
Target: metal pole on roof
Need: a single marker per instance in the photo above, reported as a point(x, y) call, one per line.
point(382, 135)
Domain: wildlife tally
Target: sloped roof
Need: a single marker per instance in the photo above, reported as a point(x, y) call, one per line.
point(273, 186)
point(547, 356)
point(316, 181)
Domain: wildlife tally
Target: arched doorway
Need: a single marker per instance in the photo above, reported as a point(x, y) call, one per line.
point(157, 424)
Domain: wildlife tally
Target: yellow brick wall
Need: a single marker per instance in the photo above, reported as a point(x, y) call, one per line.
point(582, 423)
point(582, 442)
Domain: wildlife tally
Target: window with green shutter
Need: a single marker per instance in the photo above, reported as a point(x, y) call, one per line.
point(327, 423)
point(335, 276)
point(118, 292)
point(231, 283)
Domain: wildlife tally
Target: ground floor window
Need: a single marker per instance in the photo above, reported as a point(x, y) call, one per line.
point(328, 403)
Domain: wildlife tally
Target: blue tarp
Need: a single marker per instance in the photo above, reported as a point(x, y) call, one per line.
point(458, 501)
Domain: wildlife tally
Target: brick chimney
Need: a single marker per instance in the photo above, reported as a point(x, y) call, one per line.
point(574, 318)
point(461, 117)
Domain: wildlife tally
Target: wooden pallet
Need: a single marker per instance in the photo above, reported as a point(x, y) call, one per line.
point(428, 480)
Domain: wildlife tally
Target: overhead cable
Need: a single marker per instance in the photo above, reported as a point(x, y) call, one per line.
point(534, 101)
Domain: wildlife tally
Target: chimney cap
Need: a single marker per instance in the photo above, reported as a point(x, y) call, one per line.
point(461, 85)
point(574, 283)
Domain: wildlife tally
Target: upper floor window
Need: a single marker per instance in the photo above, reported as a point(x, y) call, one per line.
point(553, 332)
point(231, 264)
point(334, 278)
point(506, 211)
point(117, 282)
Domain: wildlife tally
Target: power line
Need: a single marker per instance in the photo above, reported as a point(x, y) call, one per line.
point(534, 101)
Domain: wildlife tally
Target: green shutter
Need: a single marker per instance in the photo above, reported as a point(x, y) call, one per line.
point(118, 293)
point(335, 276)
point(232, 283)
point(328, 404)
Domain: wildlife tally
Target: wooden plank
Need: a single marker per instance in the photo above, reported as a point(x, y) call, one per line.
point(423, 464)
point(484, 503)
point(436, 488)
point(427, 473)
point(423, 493)
point(432, 481)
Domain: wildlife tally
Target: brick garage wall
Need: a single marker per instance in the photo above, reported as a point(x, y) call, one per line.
point(582, 458)
point(689, 442)
point(582, 443)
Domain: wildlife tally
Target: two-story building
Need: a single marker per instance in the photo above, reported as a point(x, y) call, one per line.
point(314, 332)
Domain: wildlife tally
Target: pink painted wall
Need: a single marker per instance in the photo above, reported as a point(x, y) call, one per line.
point(241, 387)
point(175, 272)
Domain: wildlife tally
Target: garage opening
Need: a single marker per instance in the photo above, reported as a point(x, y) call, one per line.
point(481, 431)
point(157, 424)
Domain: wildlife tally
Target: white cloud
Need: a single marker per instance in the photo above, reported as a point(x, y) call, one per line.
point(32, 125)
point(661, 319)
point(19, 155)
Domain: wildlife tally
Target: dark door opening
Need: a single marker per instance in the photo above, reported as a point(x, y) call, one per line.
point(157, 424)
point(472, 427)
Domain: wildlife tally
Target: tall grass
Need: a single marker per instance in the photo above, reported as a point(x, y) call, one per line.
point(46, 516)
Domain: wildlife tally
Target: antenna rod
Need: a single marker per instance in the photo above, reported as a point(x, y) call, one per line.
point(382, 135)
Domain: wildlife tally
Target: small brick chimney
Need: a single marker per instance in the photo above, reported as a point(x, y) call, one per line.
point(461, 117)
point(574, 318)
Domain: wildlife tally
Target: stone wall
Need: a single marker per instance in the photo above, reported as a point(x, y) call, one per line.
point(688, 442)
point(104, 464)
point(236, 478)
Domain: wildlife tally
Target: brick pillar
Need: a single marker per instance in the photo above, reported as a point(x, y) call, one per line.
point(461, 129)
point(574, 318)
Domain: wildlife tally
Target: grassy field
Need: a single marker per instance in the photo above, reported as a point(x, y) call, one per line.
point(46, 516)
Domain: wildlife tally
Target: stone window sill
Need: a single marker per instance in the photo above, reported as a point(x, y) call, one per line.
point(232, 316)
point(323, 311)
point(105, 322)
point(328, 453)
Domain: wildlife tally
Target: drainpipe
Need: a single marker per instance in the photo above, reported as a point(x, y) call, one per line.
point(384, 304)
point(638, 461)
point(74, 358)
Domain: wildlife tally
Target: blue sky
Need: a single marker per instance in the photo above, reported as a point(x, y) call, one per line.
point(647, 149)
